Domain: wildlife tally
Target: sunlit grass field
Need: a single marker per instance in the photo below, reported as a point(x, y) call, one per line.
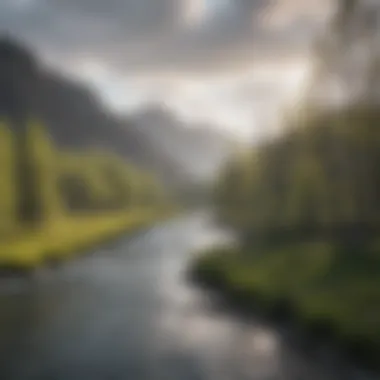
point(64, 238)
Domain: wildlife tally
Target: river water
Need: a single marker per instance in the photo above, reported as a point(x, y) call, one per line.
point(128, 312)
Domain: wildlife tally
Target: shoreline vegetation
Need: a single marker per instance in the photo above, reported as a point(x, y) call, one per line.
point(73, 201)
point(306, 208)
point(304, 284)
point(69, 239)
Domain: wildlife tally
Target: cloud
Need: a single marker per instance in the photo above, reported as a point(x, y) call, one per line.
point(145, 35)
point(227, 62)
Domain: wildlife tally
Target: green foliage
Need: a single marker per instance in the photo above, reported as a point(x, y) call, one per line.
point(322, 177)
point(7, 181)
point(312, 209)
point(81, 197)
point(315, 283)
point(44, 157)
point(88, 182)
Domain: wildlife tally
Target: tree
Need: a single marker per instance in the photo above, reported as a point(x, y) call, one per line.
point(8, 199)
point(18, 72)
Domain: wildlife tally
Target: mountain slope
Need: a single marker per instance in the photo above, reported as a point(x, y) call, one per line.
point(73, 114)
point(198, 149)
point(152, 139)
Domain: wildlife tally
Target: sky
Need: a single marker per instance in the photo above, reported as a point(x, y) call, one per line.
point(233, 64)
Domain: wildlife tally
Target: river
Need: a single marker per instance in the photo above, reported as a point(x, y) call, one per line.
point(127, 311)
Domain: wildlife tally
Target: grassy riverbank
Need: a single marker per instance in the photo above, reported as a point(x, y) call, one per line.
point(55, 203)
point(331, 293)
point(63, 239)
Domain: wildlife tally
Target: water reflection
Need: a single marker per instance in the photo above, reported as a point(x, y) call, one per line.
point(127, 312)
point(228, 348)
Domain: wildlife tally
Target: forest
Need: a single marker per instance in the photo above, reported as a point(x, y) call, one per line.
point(55, 202)
point(305, 205)
point(306, 209)
point(320, 180)
point(72, 174)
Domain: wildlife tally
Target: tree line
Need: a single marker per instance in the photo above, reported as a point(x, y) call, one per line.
point(66, 183)
point(320, 179)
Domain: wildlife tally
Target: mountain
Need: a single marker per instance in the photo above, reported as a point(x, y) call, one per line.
point(198, 149)
point(76, 118)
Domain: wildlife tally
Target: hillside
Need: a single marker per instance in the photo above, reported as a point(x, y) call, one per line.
point(76, 118)
point(198, 149)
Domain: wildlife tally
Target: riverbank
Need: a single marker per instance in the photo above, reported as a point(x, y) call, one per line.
point(333, 294)
point(70, 236)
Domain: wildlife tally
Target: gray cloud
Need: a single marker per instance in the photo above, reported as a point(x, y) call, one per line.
point(138, 35)
point(232, 70)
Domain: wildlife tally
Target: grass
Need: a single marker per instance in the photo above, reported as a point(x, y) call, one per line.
point(63, 238)
point(331, 293)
